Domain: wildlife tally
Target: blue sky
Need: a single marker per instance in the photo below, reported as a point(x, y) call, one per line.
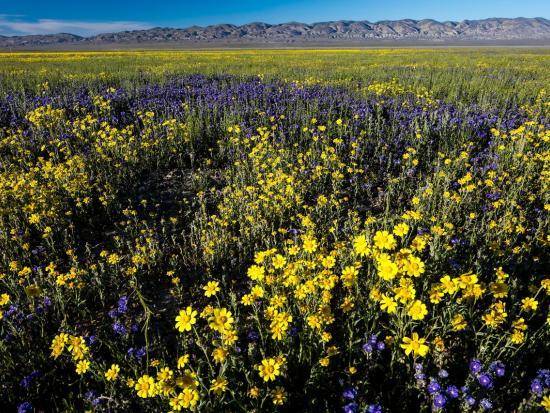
point(99, 16)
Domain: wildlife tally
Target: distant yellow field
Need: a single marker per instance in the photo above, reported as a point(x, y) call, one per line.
point(449, 73)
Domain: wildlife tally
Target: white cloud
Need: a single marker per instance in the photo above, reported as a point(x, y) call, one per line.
point(11, 25)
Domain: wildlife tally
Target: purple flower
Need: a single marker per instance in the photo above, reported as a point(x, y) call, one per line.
point(136, 352)
point(349, 394)
point(96, 402)
point(367, 347)
point(11, 311)
point(381, 345)
point(537, 387)
point(119, 328)
point(25, 407)
point(433, 387)
point(90, 340)
point(475, 366)
point(443, 374)
point(374, 408)
point(27, 380)
point(90, 394)
point(452, 391)
point(420, 376)
point(485, 381)
point(544, 376)
point(470, 400)
point(439, 400)
point(373, 339)
point(351, 408)
point(418, 367)
point(498, 368)
point(113, 313)
point(122, 304)
point(486, 404)
point(252, 336)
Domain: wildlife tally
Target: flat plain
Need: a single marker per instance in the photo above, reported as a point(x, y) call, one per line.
point(275, 230)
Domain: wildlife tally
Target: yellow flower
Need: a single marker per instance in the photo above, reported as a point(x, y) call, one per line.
point(211, 288)
point(448, 285)
point(218, 385)
point(529, 304)
point(254, 392)
point(310, 244)
point(519, 324)
point(186, 319)
point(314, 322)
point(387, 269)
point(278, 395)
point(269, 369)
point(545, 402)
point(384, 240)
point(221, 320)
point(401, 230)
point(176, 403)
point(113, 259)
point(188, 398)
point(293, 250)
point(188, 380)
point(361, 246)
point(279, 324)
point(183, 360)
point(4, 299)
point(467, 280)
point(278, 261)
point(247, 299)
point(164, 374)
point(257, 292)
point(348, 304)
point(145, 386)
point(458, 323)
point(349, 275)
point(77, 346)
point(439, 344)
point(417, 310)
point(414, 266)
point(219, 354)
point(58, 344)
point(112, 373)
point(517, 337)
point(415, 345)
point(256, 273)
point(388, 304)
point(82, 366)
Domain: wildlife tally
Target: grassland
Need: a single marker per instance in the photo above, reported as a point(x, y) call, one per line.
point(483, 75)
point(275, 230)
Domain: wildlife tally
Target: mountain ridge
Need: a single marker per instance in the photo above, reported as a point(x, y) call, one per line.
point(492, 29)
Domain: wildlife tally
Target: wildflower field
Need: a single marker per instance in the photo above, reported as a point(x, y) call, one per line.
point(262, 231)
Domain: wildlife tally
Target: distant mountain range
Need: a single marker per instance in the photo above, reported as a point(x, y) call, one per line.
point(495, 29)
